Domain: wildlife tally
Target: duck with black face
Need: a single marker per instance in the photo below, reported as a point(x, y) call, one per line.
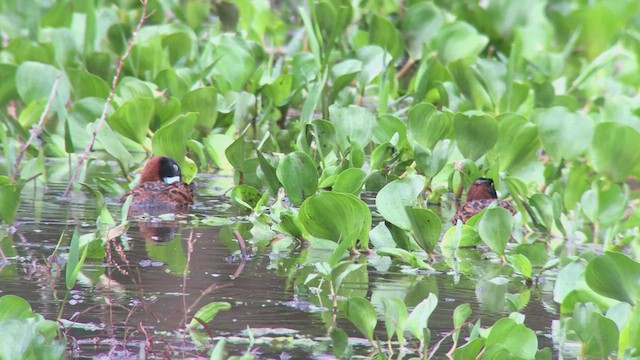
point(480, 195)
point(161, 186)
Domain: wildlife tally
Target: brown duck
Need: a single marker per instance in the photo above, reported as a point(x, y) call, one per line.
point(161, 186)
point(480, 195)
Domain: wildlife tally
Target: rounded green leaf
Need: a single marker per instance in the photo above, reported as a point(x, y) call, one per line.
point(171, 139)
point(516, 153)
point(604, 206)
point(298, 174)
point(425, 227)
point(512, 340)
point(350, 181)
point(458, 40)
point(564, 134)
point(495, 228)
point(615, 276)
point(419, 24)
point(202, 101)
point(396, 196)
point(475, 134)
point(598, 334)
point(336, 216)
point(132, 119)
point(614, 150)
point(13, 307)
point(362, 314)
point(34, 81)
point(352, 123)
point(426, 125)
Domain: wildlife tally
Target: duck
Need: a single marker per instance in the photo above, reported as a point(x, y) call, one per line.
point(480, 195)
point(161, 186)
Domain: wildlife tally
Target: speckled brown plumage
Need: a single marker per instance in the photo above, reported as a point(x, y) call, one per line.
point(480, 195)
point(161, 186)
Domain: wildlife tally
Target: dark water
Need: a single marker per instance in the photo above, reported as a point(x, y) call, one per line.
point(136, 301)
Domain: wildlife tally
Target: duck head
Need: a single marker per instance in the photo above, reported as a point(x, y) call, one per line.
point(161, 168)
point(482, 188)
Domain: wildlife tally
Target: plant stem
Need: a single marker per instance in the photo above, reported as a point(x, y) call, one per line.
point(85, 154)
point(35, 131)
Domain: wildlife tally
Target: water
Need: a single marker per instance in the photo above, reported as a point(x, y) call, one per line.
point(139, 298)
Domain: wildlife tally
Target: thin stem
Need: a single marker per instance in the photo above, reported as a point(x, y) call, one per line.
point(36, 130)
point(85, 154)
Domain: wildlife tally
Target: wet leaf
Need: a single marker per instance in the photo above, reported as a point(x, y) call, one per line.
point(613, 151)
point(395, 318)
point(298, 174)
point(564, 134)
point(336, 216)
point(418, 320)
point(475, 134)
point(203, 102)
point(425, 227)
point(510, 339)
point(395, 196)
point(132, 119)
point(207, 313)
point(495, 228)
point(362, 314)
point(350, 181)
point(614, 275)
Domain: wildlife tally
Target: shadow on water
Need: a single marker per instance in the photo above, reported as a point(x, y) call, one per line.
point(139, 298)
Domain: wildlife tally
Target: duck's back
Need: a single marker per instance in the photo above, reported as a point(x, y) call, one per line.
point(470, 208)
point(159, 194)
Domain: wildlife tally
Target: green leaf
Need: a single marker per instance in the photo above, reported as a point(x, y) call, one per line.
point(405, 257)
point(598, 334)
point(13, 307)
point(337, 217)
point(395, 318)
point(425, 227)
point(171, 139)
point(458, 40)
point(396, 196)
point(564, 134)
point(604, 206)
point(615, 276)
point(269, 174)
point(384, 34)
point(352, 123)
point(207, 313)
point(426, 125)
point(516, 153)
point(132, 119)
point(34, 81)
point(418, 320)
point(508, 339)
point(84, 84)
point(75, 260)
point(298, 174)
point(495, 228)
point(362, 314)
point(475, 134)
point(202, 101)
point(521, 265)
point(420, 23)
point(613, 151)
point(246, 196)
point(10, 200)
point(350, 181)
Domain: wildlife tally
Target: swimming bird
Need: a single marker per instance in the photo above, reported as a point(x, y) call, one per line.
point(480, 195)
point(161, 186)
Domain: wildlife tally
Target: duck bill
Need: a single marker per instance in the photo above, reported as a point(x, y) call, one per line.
point(172, 179)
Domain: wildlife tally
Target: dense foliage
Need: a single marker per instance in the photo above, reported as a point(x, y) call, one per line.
point(326, 99)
